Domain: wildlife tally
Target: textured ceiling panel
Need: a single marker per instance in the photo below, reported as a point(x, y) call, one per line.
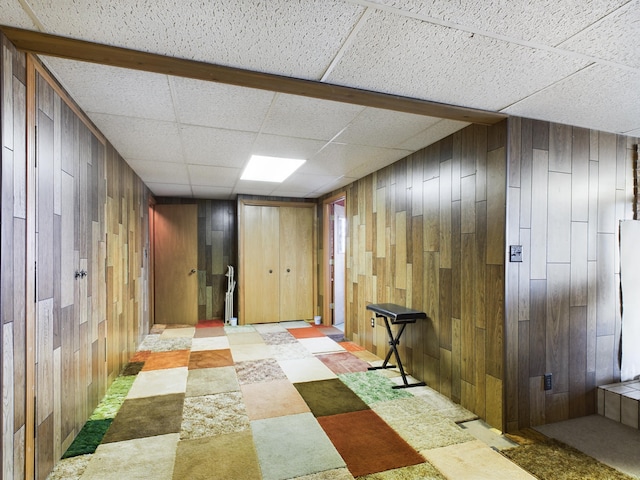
point(121, 91)
point(384, 128)
point(203, 175)
point(310, 118)
point(170, 190)
point(161, 172)
point(431, 135)
point(219, 105)
point(338, 159)
point(214, 146)
point(546, 21)
point(615, 38)
point(301, 183)
point(268, 36)
point(220, 193)
point(13, 14)
point(288, 147)
point(405, 56)
point(141, 139)
point(589, 98)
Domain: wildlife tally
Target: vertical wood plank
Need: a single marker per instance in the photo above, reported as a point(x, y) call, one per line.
point(539, 175)
point(496, 206)
point(559, 218)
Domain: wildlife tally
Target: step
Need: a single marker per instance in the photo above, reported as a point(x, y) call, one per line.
point(620, 402)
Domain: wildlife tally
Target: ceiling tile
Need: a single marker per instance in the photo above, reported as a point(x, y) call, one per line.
point(247, 187)
point(299, 182)
point(215, 146)
point(275, 36)
point(218, 105)
point(115, 91)
point(215, 193)
point(13, 14)
point(160, 172)
point(384, 128)
point(214, 176)
point(287, 147)
point(304, 117)
point(432, 134)
point(140, 138)
point(340, 159)
point(423, 60)
point(546, 21)
point(170, 190)
point(597, 97)
point(615, 38)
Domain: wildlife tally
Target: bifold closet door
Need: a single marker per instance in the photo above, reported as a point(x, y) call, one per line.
point(296, 263)
point(261, 252)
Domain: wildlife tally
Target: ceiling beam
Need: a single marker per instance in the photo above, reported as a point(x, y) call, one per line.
point(57, 46)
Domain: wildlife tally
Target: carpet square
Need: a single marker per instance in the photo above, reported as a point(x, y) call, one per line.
point(155, 343)
point(321, 345)
point(244, 353)
point(209, 343)
point(180, 332)
point(278, 338)
point(352, 347)
point(140, 356)
point(329, 397)
point(205, 332)
point(232, 330)
point(367, 444)
point(212, 415)
point(372, 387)
point(305, 370)
point(292, 446)
point(208, 381)
point(146, 417)
point(427, 431)
point(210, 458)
point(159, 382)
point(295, 324)
point(343, 362)
point(150, 457)
point(132, 368)
point(366, 356)
point(212, 323)
point(162, 360)
point(263, 328)
point(210, 359)
point(306, 333)
point(272, 399)
point(250, 338)
point(289, 351)
point(255, 371)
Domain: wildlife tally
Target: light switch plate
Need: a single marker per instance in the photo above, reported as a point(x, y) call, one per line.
point(515, 253)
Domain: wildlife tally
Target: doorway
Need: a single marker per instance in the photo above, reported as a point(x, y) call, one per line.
point(335, 241)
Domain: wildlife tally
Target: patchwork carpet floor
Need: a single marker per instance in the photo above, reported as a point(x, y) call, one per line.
point(274, 402)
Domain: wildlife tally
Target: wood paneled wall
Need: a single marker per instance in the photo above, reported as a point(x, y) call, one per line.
point(90, 214)
point(217, 248)
point(568, 188)
point(428, 232)
point(13, 214)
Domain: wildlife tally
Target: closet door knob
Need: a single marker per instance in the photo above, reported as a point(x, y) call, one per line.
point(288, 269)
point(193, 270)
point(270, 271)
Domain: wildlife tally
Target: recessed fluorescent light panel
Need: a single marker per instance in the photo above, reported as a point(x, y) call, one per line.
point(270, 169)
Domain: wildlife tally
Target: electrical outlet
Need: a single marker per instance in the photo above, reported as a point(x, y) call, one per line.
point(548, 382)
point(515, 253)
point(373, 322)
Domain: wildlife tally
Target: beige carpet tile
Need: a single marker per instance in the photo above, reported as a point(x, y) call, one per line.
point(250, 338)
point(225, 457)
point(146, 417)
point(429, 431)
point(297, 442)
point(289, 351)
point(475, 460)
point(186, 332)
point(209, 381)
point(279, 338)
point(229, 330)
point(206, 332)
point(209, 343)
point(367, 356)
point(401, 408)
point(245, 353)
point(443, 405)
point(159, 382)
point(422, 471)
point(255, 371)
point(210, 359)
point(70, 468)
point(141, 458)
point(263, 328)
point(321, 345)
point(272, 399)
point(155, 343)
point(335, 474)
point(162, 360)
point(490, 436)
point(296, 324)
point(212, 415)
point(305, 370)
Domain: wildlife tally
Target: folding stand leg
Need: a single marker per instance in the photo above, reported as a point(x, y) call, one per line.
point(394, 342)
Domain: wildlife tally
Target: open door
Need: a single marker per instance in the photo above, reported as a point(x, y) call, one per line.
point(176, 264)
point(335, 241)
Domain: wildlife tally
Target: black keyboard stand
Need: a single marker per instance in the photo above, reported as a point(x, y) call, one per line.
point(396, 315)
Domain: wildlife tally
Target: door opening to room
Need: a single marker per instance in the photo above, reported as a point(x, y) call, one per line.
point(335, 237)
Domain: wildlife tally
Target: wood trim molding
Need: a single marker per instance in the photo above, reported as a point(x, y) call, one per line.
point(326, 257)
point(57, 46)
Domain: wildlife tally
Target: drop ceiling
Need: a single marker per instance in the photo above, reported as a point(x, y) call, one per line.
point(567, 61)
